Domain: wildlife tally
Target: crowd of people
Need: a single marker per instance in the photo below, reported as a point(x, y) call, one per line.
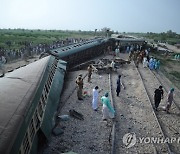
point(139, 54)
point(29, 50)
point(142, 56)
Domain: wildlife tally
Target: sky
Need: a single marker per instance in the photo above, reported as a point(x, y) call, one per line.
point(118, 15)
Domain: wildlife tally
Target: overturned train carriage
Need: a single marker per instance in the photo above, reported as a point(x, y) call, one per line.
point(81, 52)
point(29, 96)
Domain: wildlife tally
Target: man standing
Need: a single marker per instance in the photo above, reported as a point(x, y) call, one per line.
point(89, 69)
point(79, 82)
point(145, 62)
point(113, 66)
point(169, 100)
point(117, 51)
point(107, 110)
point(119, 84)
point(95, 98)
point(158, 96)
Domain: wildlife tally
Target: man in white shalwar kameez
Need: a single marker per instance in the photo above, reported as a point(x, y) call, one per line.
point(95, 98)
point(145, 62)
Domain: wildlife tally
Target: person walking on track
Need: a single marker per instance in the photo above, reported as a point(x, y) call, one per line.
point(95, 98)
point(119, 84)
point(107, 110)
point(158, 95)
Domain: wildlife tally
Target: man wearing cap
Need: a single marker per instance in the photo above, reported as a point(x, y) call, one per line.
point(169, 99)
point(79, 83)
point(107, 110)
point(90, 69)
point(158, 95)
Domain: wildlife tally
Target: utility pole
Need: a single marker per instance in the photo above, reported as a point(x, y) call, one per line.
point(107, 31)
point(95, 32)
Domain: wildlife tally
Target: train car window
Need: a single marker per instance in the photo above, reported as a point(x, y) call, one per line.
point(43, 100)
point(26, 145)
point(32, 130)
point(40, 111)
point(46, 88)
point(51, 76)
point(45, 94)
point(36, 120)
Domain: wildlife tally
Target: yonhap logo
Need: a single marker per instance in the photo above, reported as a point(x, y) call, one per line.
point(129, 139)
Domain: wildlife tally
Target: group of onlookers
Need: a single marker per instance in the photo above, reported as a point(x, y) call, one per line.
point(30, 50)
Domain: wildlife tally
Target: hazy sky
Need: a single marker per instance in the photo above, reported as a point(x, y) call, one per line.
point(118, 15)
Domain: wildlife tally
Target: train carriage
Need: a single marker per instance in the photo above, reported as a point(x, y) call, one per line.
point(28, 95)
point(78, 53)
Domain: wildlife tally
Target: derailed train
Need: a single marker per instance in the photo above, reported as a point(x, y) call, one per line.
point(29, 96)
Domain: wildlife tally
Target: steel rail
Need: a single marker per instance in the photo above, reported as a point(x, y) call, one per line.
point(163, 134)
point(113, 131)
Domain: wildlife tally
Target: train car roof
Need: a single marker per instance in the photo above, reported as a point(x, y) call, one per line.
point(16, 92)
point(130, 39)
point(61, 52)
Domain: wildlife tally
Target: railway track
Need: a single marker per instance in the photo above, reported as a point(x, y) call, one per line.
point(113, 131)
point(169, 124)
point(133, 115)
